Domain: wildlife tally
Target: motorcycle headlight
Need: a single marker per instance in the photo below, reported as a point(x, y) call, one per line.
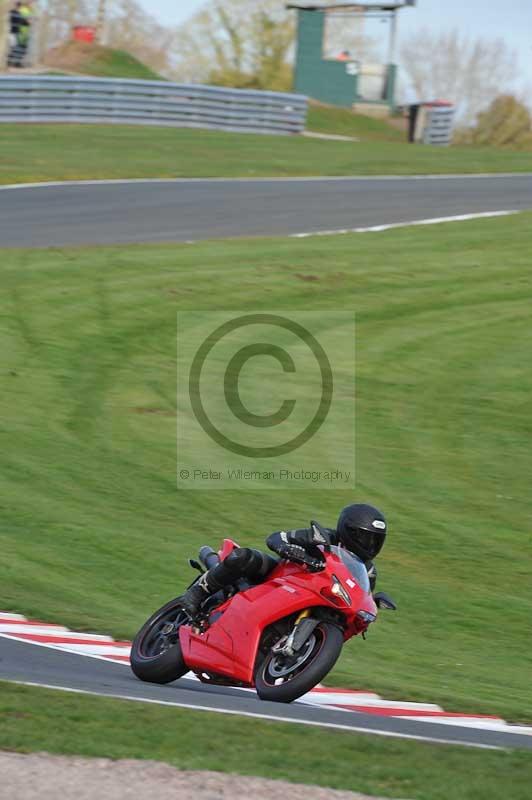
point(339, 590)
point(366, 616)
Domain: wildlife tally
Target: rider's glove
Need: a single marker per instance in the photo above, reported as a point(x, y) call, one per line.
point(315, 565)
point(294, 552)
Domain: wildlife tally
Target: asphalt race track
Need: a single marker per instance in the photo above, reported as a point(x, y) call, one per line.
point(124, 212)
point(27, 663)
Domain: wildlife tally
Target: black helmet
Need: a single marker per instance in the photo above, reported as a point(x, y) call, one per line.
point(362, 529)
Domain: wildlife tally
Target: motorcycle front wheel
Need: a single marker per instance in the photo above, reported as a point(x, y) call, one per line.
point(156, 655)
point(285, 678)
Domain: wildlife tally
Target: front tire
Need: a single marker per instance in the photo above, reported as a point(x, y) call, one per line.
point(282, 680)
point(156, 655)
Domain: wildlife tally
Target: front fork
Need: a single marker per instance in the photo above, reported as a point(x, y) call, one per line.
point(303, 627)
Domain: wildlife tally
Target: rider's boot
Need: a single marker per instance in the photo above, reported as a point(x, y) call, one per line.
point(242, 562)
point(194, 597)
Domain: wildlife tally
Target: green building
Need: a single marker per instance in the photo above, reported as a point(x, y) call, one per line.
point(344, 79)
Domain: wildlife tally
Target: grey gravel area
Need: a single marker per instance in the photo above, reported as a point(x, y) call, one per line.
point(40, 776)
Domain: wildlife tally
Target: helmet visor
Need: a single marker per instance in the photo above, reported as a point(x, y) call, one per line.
point(370, 542)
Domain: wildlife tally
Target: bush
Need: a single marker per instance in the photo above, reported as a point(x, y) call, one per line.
point(505, 123)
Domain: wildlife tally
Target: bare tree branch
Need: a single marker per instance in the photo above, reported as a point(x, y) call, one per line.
point(450, 65)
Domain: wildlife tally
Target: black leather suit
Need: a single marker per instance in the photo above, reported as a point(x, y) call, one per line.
point(299, 545)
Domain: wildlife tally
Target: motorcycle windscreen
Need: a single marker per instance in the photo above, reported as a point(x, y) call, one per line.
point(355, 566)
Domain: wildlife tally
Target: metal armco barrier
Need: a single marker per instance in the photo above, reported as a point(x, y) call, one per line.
point(438, 125)
point(431, 123)
point(134, 102)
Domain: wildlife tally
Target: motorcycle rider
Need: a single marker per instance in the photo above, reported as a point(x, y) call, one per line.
point(361, 529)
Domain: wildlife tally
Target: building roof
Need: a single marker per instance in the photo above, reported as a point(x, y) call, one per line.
point(371, 5)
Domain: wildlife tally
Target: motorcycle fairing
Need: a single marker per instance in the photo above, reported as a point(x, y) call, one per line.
point(229, 646)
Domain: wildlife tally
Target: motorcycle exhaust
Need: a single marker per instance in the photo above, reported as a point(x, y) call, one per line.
point(208, 557)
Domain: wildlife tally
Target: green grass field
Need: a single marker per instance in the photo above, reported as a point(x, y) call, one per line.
point(38, 719)
point(68, 152)
point(94, 533)
point(343, 121)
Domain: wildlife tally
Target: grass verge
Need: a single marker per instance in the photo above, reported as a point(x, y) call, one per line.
point(56, 722)
point(31, 152)
point(94, 533)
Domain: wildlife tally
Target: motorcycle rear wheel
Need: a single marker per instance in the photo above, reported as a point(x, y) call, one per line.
point(282, 680)
point(156, 656)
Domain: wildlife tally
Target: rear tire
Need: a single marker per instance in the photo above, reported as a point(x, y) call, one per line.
point(155, 656)
point(320, 653)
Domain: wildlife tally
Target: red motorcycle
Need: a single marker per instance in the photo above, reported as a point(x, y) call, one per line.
point(281, 636)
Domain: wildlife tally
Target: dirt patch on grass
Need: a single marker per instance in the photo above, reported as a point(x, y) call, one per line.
point(93, 59)
point(72, 56)
point(149, 410)
point(40, 776)
point(306, 277)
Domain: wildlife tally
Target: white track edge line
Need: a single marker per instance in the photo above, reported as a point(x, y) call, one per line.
point(279, 179)
point(192, 707)
point(391, 225)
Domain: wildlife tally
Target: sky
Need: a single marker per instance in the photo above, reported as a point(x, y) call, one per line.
point(508, 19)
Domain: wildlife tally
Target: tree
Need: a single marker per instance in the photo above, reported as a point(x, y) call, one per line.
point(237, 43)
point(100, 19)
point(127, 27)
point(4, 28)
point(453, 66)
